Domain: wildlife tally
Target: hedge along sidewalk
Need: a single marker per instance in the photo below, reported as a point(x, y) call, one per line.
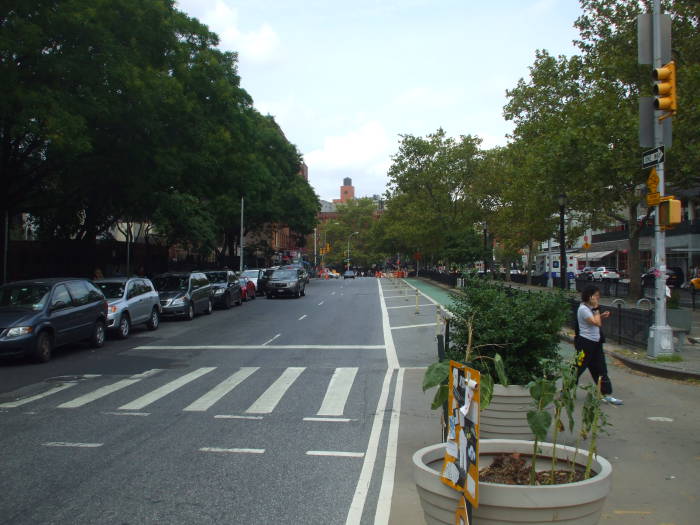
point(634, 358)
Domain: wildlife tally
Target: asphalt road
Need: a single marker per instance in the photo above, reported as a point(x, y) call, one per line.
point(278, 411)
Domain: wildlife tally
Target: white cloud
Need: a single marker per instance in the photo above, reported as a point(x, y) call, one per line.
point(259, 45)
point(427, 98)
point(359, 149)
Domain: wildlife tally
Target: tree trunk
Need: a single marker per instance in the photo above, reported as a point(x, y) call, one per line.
point(634, 230)
point(530, 250)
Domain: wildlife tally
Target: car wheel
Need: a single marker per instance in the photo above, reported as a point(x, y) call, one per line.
point(43, 348)
point(190, 312)
point(97, 340)
point(210, 307)
point(124, 326)
point(154, 320)
point(239, 301)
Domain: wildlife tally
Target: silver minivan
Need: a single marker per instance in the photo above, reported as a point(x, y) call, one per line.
point(131, 301)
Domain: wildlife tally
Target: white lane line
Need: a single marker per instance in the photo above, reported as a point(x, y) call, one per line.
point(260, 347)
point(215, 394)
point(20, 402)
point(268, 342)
point(321, 303)
point(335, 453)
point(267, 402)
point(142, 414)
point(74, 445)
point(393, 296)
point(407, 306)
point(332, 293)
point(412, 326)
point(329, 419)
point(391, 357)
point(158, 393)
point(362, 488)
point(227, 416)
point(386, 491)
point(234, 450)
point(302, 317)
point(107, 389)
point(338, 391)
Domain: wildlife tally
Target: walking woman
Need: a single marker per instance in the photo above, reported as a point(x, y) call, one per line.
point(589, 342)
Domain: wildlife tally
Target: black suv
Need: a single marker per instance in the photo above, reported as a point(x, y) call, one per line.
point(226, 288)
point(38, 315)
point(674, 277)
point(184, 294)
point(286, 281)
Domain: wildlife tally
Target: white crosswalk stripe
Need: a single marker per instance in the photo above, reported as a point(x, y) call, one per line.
point(20, 402)
point(223, 388)
point(267, 402)
point(106, 390)
point(166, 389)
point(338, 392)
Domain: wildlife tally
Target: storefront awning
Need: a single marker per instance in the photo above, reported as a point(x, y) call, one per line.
point(593, 256)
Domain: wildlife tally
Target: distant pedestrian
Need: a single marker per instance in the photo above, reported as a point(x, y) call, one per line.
point(97, 274)
point(589, 342)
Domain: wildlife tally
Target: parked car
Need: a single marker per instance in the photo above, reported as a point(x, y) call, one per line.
point(605, 272)
point(184, 294)
point(348, 274)
point(264, 278)
point(39, 315)
point(226, 290)
point(254, 275)
point(131, 301)
point(674, 277)
point(286, 282)
point(247, 288)
point(296, 266)
point(586, 273)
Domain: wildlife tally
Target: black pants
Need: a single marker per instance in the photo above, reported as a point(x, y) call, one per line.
point(593, 358)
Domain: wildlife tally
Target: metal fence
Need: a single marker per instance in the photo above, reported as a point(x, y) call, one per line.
point(629, 326)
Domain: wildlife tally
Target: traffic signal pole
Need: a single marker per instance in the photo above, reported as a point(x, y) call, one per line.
point(660, 334)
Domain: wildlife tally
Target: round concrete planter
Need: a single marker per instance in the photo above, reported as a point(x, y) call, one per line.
point(506, 415)
point(579, 503)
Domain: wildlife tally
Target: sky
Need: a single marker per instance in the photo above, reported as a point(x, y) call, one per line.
point(345, 80)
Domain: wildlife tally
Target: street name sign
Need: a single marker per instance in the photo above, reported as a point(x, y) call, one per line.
point(652, 157)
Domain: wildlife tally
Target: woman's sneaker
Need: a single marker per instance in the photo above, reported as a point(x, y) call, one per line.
point(612, 400)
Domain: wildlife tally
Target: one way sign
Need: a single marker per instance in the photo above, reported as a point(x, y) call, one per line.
point(652, 157)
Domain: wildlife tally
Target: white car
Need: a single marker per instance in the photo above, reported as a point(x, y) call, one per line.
point(605, 272)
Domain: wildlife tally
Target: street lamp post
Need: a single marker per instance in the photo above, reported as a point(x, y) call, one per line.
point(349, 237)
point(563, 267)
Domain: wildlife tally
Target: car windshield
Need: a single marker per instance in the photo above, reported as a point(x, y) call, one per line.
point(284, 274)
point(250, 273)
point(217, 277)
point(31, 296)
point(171, 283)
point(112, 290)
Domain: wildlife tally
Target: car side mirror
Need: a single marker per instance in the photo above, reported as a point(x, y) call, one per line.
point(58, 305)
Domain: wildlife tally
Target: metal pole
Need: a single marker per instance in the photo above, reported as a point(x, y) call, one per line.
point(563, 267)
point(4, 254)
point(315, 257)
point(550, 281)
point(660, 334)
point(242, 240)
point(128, 236)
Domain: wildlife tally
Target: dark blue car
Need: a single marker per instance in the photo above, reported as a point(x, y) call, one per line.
point(37, 316)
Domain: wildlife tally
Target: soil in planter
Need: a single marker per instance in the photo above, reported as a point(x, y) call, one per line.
point(514, 469)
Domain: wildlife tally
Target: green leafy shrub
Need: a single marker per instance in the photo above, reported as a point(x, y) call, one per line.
point(522, 327)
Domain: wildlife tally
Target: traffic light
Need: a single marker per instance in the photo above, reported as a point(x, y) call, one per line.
point(665, 97)
point(669, 212)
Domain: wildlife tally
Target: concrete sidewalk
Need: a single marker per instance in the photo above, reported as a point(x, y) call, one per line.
point(686, 363)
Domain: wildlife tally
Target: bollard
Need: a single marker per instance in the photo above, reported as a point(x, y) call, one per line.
point(417, 309)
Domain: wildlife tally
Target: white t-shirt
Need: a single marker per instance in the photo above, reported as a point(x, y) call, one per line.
point(586, 329)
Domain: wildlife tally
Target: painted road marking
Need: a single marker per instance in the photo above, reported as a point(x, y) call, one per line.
point(215, 394)
point(142, 414)
point(54, 390)
point(108, 389)
point(329, 419)
point(302, 317)
point(391, 358)
point(338, 391)
point(227, 416)
point(267, 402)
point(268, 342)
point(166, 389)
point(661, 419)
point(362, 489)
point(408, 306)
point(234, 450)
point(75, 445)
point(321, 303)
point(334, 453)
point(260, 347)
point(412, 326)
